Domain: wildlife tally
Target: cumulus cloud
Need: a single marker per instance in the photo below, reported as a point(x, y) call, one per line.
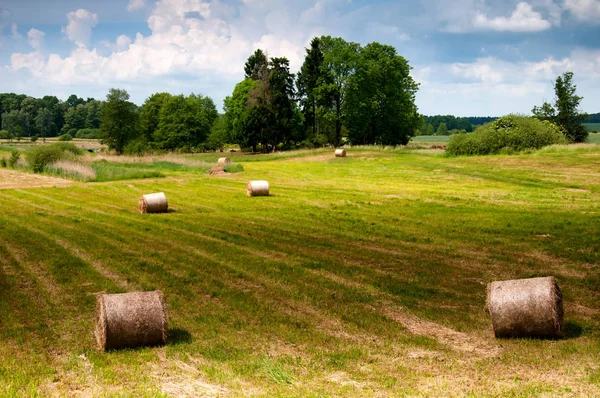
point(35, 38)
point(136, 5)
point(79, 27)
point(185, 39)
point(588, 10)
point(523, 19)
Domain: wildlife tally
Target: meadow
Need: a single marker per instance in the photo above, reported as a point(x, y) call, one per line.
point(359, 276)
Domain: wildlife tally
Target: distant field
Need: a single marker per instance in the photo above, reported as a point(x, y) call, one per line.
point(594, 138)
point(592, 126)
point(430, 139)
point(362, 276)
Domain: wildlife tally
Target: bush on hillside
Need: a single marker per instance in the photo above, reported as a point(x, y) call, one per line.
point(42, 156)
point(507, 134)
point(68, 147)
point(65, 137)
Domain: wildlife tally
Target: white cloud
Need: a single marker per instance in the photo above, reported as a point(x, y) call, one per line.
point(588, 10)
point(123, 43)
point(523, 19)
point(79, 28)
point(35, 38)
point(495, 87)
point(136, 5)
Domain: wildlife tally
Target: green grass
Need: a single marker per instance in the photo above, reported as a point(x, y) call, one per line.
point(339, 284)
point(594, 138)
point(106, 171)
point(430, 139)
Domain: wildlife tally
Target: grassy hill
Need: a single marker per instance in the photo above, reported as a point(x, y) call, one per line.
point(359, 276)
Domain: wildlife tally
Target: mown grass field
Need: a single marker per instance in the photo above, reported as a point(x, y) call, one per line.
point(359, 276)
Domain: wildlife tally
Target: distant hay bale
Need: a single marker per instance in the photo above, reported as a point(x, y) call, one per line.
point(134, 319)
point(153, 203)
point(258, 188)
point(223, 161)
point(340, 153)
point(526, 308)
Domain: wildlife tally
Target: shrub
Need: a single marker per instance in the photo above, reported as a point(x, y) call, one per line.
point(68, 147)
point(5, 135)
point(88, 133)
point(233, 168)
point(66, 137)
point(14, 158)
point(34, 138)
point(72, 132)
point(40, 157)
point(507, 134)
point(3, 162)
point(137, 148)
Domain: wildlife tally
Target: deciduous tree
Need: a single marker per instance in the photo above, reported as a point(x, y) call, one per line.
point(119, 120)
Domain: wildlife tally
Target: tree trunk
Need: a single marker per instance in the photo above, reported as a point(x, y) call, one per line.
point(338, 121)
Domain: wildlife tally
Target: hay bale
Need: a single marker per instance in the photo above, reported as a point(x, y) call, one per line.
point(223, 161)
point(258, 188)
point(153, 203)
point(526, 308)
point(340, 153)
point(130, 320)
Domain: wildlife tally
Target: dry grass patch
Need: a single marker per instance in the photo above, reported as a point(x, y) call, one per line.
point(11, 179)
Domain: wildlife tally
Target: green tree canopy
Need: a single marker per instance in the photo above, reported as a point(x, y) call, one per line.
point(565, 111)
point(150, 114)
point(185, 121)
point(119, 120)
point(381, 106)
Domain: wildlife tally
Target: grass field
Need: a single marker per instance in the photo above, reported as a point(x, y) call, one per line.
point(430, 139)
point(592, 126)
point(594, 138)
point(359, 276)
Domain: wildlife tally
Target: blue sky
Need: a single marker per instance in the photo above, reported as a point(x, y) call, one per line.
point(471, 57)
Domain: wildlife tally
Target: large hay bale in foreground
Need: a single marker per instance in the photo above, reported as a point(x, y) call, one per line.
point(130, 320)
point(526, 308)
point(258, 188)
point(153, 203)
point(340, 153)
point(223, 161)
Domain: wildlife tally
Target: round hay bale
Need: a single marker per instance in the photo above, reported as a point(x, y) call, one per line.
point(130, 320)
point(526, 308)
point(223, 161)
point(258, 188)
point(340, 153)
point(153, 203)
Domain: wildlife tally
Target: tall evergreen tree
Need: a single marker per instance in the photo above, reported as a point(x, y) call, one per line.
point(309, 78)
point(256, 65)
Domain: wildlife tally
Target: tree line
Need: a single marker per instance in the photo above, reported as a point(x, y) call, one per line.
point(449, 124)
point(23, 116)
